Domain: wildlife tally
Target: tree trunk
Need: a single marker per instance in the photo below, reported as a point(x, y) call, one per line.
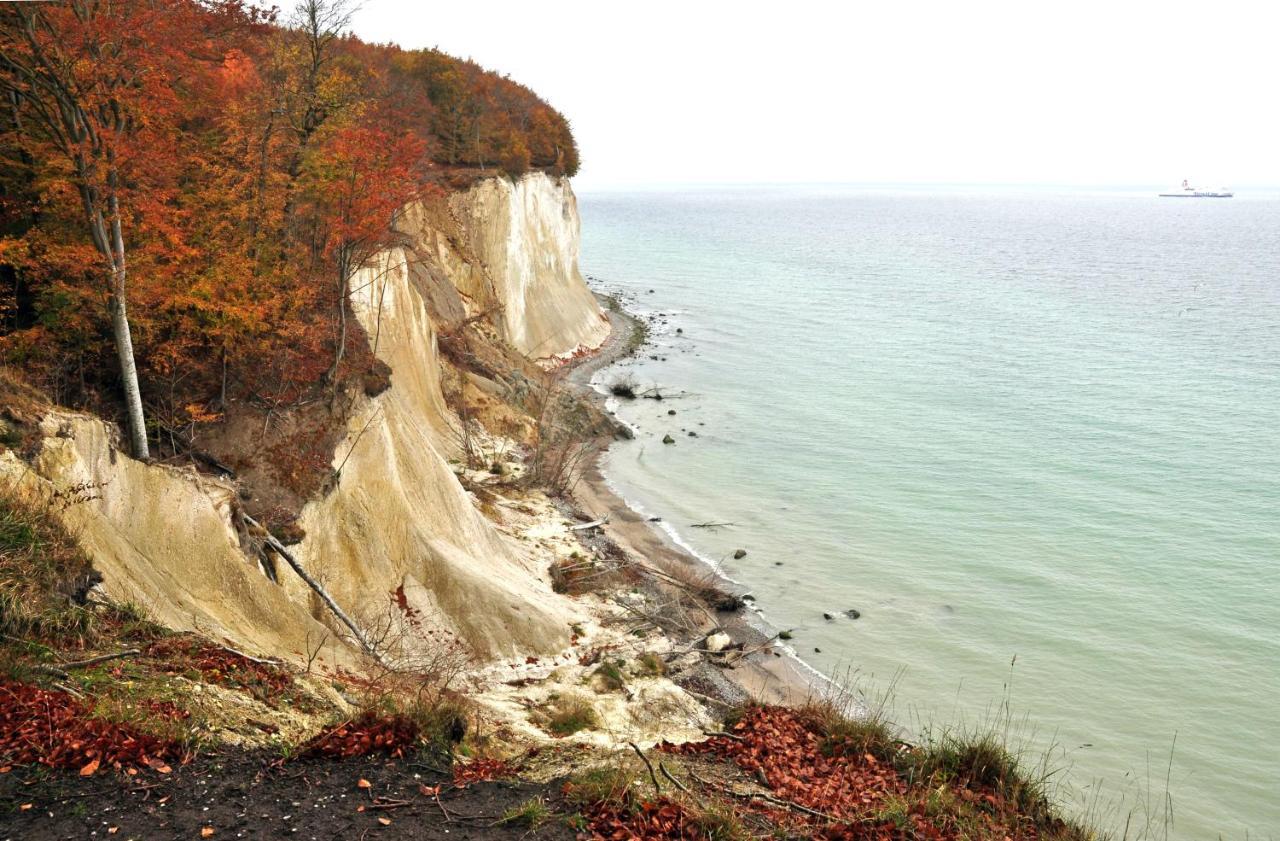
point(129, 373)
point(120, 325)
point(332, 374)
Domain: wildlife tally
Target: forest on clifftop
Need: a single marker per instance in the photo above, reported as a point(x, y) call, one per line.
point(187, 188)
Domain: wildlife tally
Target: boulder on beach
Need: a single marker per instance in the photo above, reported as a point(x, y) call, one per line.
point(718, 641)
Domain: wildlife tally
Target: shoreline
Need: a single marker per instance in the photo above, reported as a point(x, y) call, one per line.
point(773, 673)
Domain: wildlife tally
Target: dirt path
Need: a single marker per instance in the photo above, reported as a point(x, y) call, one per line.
point(238, 795)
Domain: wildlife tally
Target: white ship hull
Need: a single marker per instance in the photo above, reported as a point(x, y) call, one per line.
point(1196, 194)
point(1189, 192)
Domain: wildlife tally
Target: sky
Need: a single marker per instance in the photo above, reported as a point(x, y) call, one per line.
point(710, 91)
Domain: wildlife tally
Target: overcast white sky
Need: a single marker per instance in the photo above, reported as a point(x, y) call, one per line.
point(1037, 92)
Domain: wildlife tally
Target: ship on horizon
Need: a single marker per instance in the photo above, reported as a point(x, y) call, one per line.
point(1189, 192)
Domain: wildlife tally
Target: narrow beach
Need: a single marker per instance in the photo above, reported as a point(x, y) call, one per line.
point(773, 673)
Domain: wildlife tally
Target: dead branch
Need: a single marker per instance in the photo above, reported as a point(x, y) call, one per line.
point(668, 775)
point(261, 661)
point(359, 435)
point(777, 801)
point(93, 661)
point(591, 525)
point(279, 549)
point(657, 789)
point(51, 671)
point(723, 735)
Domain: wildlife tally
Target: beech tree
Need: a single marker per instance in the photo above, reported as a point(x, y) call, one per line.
point(355, 185)
point(93, 84)
point(188, 189)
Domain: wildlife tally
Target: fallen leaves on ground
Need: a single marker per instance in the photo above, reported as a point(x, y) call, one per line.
point(264, 681)
point(480, 771)
point(393, 735)
point(776, 746)
point(54, 729)
point(649, 821)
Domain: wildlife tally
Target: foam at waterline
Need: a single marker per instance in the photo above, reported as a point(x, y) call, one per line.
point(756, 616)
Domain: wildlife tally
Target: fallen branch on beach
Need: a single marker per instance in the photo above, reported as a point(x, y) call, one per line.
point(591, 525)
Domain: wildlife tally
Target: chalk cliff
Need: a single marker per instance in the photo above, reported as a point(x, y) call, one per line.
point(397, 540)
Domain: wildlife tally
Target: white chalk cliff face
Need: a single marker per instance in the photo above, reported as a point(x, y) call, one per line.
point(163, 539)
point(518, 243)
point(398, 542)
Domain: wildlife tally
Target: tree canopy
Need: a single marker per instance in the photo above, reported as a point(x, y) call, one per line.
point(223, 171)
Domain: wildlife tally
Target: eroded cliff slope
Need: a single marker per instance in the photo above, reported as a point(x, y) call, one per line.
point(396, 539)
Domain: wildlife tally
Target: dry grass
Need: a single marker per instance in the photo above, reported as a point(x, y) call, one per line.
point(568, 715)
point(43, 574)
point(610, 783)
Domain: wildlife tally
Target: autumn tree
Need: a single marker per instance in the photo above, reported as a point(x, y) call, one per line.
point(93, 87)
point(187, 191)
point(311, 90)
point(354, 185)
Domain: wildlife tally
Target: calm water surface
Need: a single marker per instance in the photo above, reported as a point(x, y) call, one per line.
point(1034, 425)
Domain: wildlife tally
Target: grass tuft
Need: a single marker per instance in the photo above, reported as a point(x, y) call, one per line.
point(609, 784)
point(571, 715)
point(43, 574)
point(532, 813)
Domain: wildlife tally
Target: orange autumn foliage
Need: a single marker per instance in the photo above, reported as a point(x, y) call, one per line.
point(258, 168)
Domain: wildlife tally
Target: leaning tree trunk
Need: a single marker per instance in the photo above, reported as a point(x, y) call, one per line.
point(331, 376)
point(129, 373)
point(120, 320)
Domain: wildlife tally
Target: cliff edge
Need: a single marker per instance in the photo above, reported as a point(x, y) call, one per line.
point(395, 538)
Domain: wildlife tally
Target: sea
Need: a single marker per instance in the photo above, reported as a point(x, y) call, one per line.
point(1029, 437)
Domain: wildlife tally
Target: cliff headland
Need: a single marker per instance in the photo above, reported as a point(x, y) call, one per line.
point(301, 523)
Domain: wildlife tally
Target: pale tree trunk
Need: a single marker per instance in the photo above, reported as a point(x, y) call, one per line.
point(123, 335)
point(111, 245)
point(129, 373)
point(343, 284)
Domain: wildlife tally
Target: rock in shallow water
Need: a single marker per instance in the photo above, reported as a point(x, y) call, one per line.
point(852, 613)
point(739, 554)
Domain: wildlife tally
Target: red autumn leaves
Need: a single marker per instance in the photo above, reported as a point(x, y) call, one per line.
point(481, 771)
point(221, 666)
point(54, 729)
point(650, 821)
point(778, 747)
point(391, 735)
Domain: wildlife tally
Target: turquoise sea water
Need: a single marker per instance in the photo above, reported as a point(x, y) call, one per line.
point(998, 424)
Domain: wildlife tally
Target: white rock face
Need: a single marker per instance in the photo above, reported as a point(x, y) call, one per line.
point(399, 522)
point(162, 539)
point(398, 543)
point(525, 234)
